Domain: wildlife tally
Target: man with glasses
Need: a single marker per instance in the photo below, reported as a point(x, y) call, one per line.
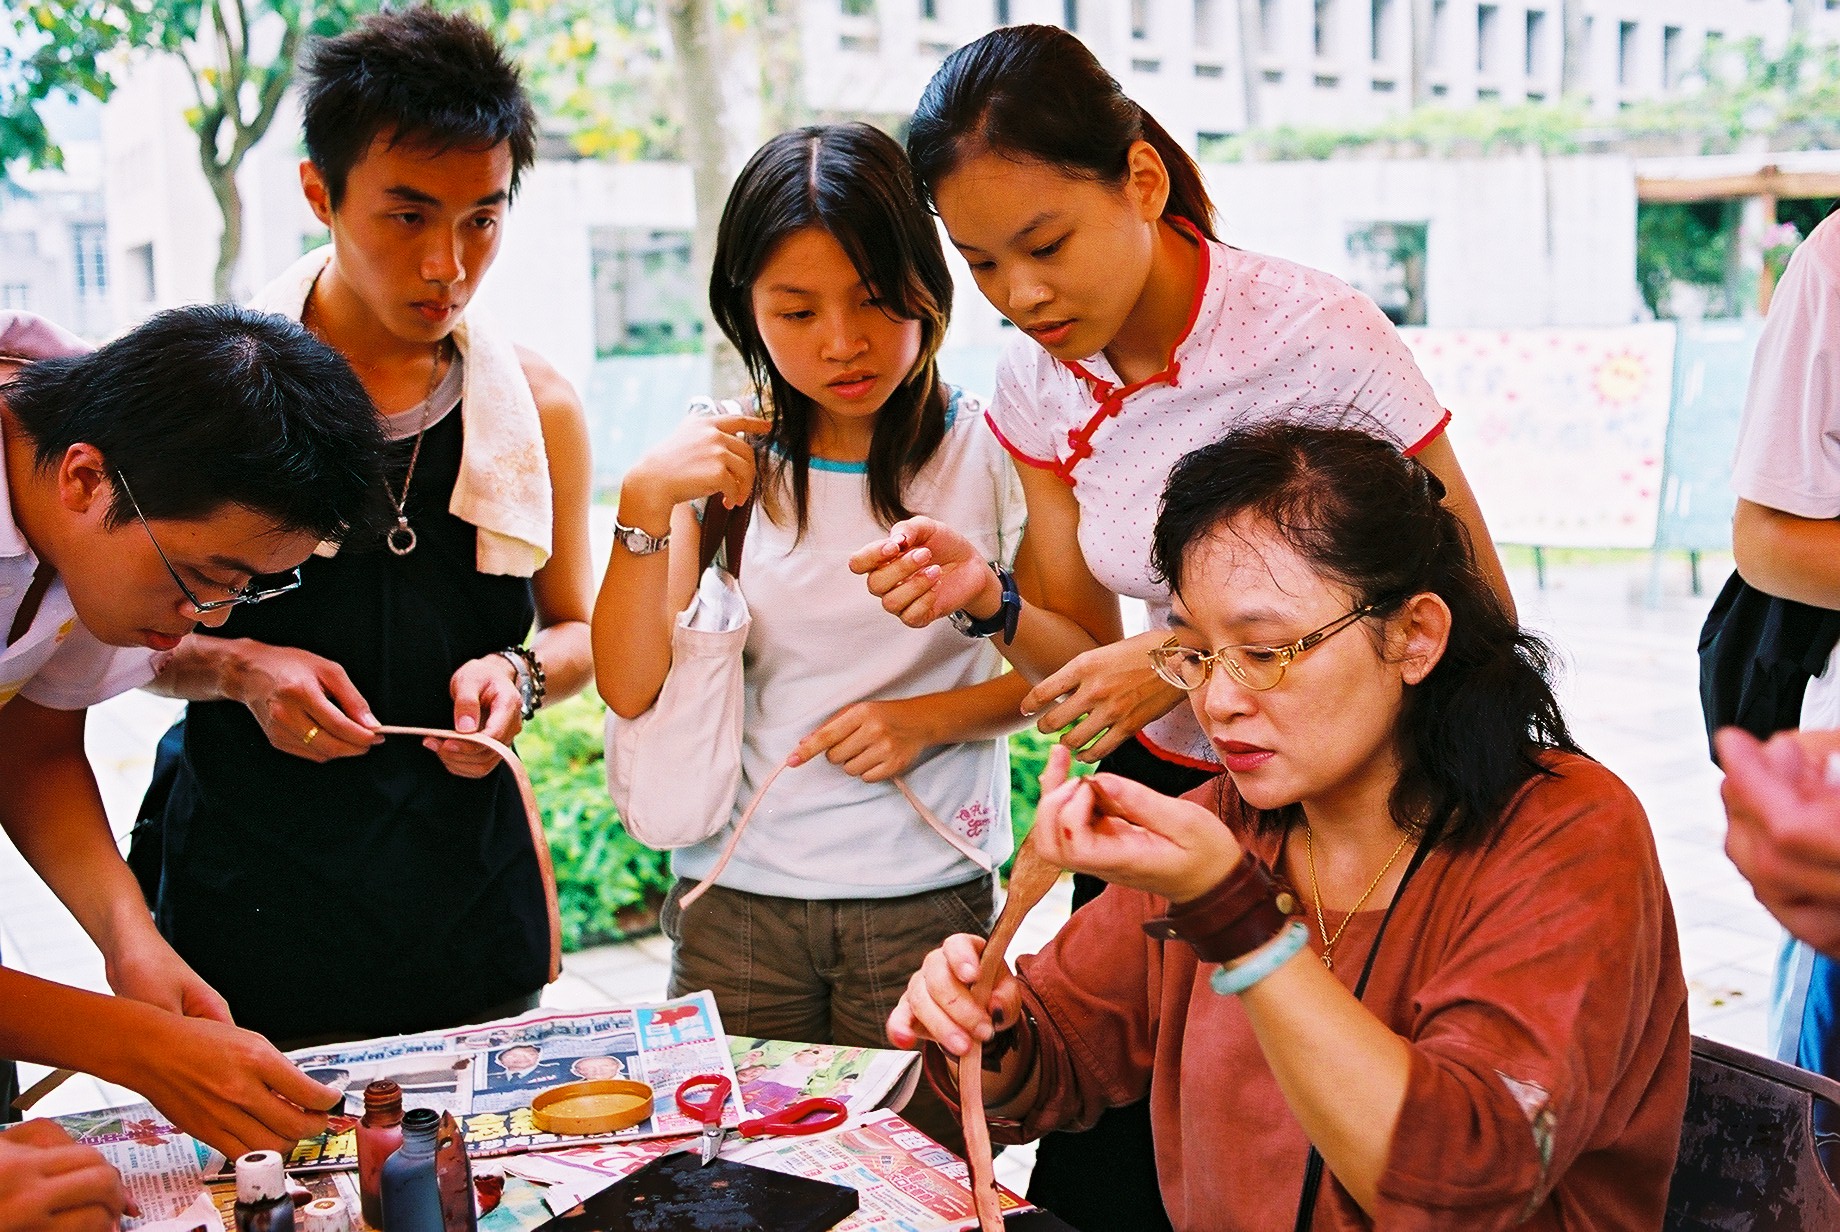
point(249, 444)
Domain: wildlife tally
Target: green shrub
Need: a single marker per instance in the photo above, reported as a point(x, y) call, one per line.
point(611, 885)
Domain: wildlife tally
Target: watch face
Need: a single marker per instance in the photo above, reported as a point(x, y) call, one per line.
point(961, 620)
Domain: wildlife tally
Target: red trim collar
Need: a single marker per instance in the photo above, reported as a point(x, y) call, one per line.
point(1111, 397)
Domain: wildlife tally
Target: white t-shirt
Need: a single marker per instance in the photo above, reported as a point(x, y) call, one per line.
point(819, 642)
point(56, 663)
point(1266, 338)
point(1788, 454)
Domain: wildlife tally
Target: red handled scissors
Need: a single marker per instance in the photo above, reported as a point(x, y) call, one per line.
point(807, 1116)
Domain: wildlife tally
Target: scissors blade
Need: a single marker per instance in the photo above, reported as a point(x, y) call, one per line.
point(710, 1145)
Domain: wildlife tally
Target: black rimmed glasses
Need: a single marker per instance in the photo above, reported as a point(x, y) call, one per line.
point(255, 590)
point(1257, 667)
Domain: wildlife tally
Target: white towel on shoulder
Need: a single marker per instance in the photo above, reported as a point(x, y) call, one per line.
point(503, 488)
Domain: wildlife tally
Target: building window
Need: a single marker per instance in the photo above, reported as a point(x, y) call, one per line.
point(1140, 19)
point(1536, 44)
point(1270, 25)
point(1325, 28)
point(1210, 70)
point(1671, 67)
point(858, 8)
point(1070, 16)
point(1380, 32)
point(646, 299)
point(1389, 266)
point(140, 270)
point(929, 10)
point(1207, 15)
point(1002, 12)
point(1440, 18)
point(1625, 52)
point(16, 295)
point(89, 245)
point(1488, 33)
point(1146, 66)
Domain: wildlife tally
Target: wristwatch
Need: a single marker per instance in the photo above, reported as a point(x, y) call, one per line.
point(1003, 621)
point(638, 542)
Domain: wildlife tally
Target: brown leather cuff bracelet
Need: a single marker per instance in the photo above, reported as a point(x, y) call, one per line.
point(1247, 909)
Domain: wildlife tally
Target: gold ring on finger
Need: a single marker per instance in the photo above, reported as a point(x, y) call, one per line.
point(307, 736)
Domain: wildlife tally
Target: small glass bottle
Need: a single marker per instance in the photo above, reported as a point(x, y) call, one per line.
point(262, 1200)
point(379, 1134)
point(325, 1215)
point(411, 1196)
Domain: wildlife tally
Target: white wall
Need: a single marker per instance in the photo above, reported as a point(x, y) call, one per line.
point(1512, 241)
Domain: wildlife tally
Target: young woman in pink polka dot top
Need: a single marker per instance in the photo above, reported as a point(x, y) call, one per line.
point(1144, 337)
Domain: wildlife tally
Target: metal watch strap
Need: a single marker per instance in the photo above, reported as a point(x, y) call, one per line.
point(531, 683)
point(640, 542)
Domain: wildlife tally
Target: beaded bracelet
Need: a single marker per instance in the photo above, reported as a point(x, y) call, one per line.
point(1242, 975)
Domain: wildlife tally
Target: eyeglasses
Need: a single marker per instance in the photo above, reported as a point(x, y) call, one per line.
point(1257, 667)
point(255, 590)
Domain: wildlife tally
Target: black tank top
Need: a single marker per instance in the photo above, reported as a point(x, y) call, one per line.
point(375, 894)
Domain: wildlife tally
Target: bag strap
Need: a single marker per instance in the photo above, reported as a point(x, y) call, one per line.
point(723, 530)
point(1313, 1166)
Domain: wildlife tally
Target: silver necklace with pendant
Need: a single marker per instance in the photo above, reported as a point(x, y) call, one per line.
point(401, 537)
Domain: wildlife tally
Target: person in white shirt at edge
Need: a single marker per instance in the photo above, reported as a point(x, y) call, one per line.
point(1786, 542)
point(830, 279)
point(1144, 338)
point(181, 470)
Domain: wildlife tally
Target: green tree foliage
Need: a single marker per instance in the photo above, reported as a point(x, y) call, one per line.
point(601, 72)
point(238, 55)
point(1686, 243)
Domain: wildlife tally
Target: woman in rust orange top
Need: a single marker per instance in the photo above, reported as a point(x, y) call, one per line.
point(1410, 962)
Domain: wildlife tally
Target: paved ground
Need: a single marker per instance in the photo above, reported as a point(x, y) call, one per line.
point(1629, 689)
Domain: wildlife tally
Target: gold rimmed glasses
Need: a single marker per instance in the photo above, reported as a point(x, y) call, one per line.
point(1257, 667)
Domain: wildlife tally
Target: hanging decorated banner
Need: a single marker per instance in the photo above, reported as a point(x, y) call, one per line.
point(1561, 432)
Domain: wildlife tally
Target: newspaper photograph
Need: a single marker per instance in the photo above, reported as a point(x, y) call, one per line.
point(487, 1075)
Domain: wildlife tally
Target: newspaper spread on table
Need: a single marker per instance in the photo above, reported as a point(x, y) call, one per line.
point(161, 1166)
point(487, 1075)
point(904, 1180)
point(178, 1181)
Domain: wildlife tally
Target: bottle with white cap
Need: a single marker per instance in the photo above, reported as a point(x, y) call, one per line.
point(262, 1201)
point(326, 1215)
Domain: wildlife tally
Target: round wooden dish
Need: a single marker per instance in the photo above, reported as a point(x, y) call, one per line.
point(598, 1106)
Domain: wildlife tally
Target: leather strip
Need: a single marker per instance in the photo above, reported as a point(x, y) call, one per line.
point(976, 855)
point(538, 839)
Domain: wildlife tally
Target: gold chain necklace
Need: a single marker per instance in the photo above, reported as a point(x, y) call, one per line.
point(1322, 925)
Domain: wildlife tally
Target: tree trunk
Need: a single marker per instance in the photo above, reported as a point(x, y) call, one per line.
point(1575, 49)
point(1424, 43)
point(1251, 52)
point(713, 129)
point(220, 174)
point(782, 70)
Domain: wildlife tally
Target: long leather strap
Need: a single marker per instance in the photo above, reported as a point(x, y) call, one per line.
point(964, 846)
point(538, 839)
